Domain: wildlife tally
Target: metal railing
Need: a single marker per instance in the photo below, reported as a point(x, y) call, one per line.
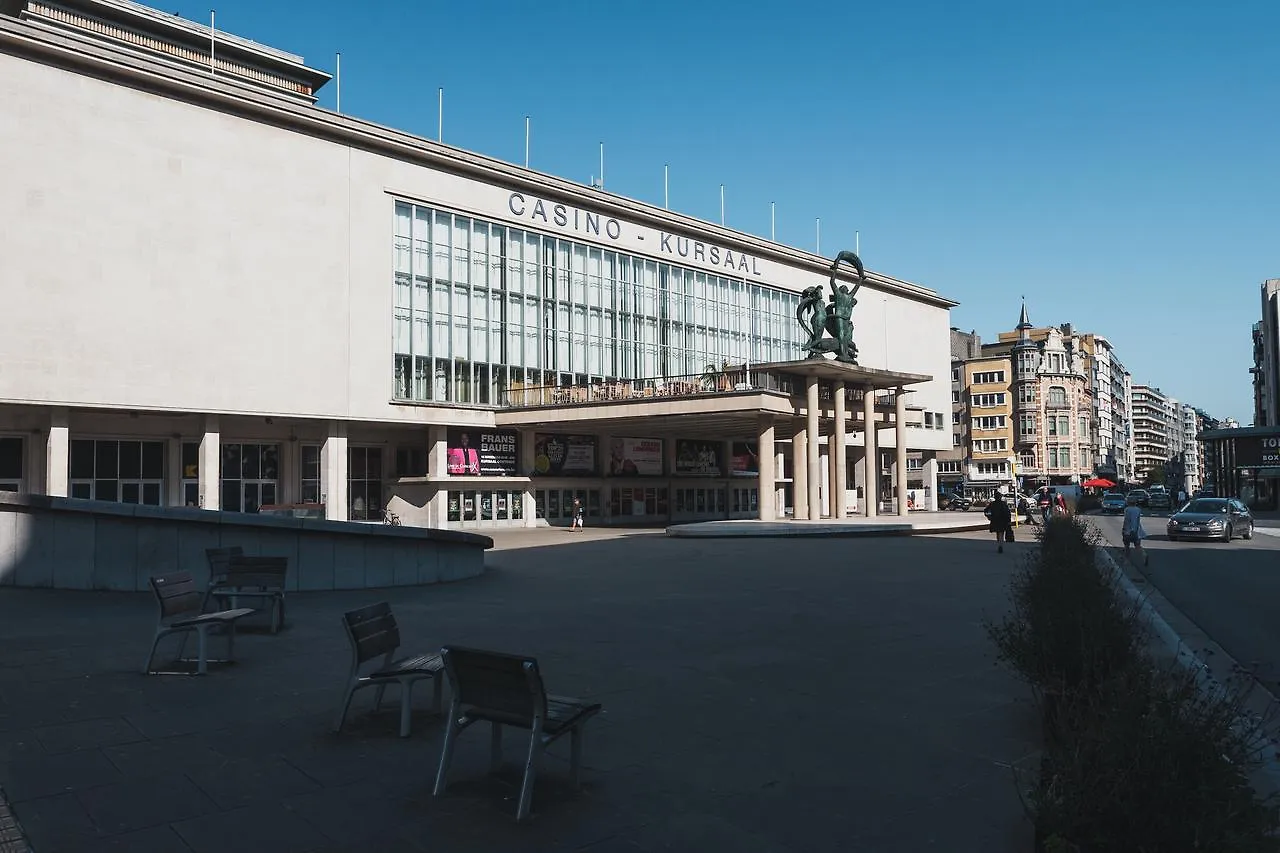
point(726, 381)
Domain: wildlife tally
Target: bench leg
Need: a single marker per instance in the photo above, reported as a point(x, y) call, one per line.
point(530, 773)
point(202, 663)
point(446, 752)
point(495, 747)
point(377, 697)
point(406, 706)
point(346, 706)
point(575, 755)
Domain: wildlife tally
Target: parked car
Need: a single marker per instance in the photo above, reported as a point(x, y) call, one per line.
point(1140, 496)
point(1211, 518)
point(959, 503)
point(1113, 503)
point(1159, 500)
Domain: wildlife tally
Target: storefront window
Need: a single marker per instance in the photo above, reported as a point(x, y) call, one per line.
point(10, 464)
point(250, 476)
point(119, 471)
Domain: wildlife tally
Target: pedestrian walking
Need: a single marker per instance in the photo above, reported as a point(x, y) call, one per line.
point(1062, 504)
point(1001, 521)
point(1131, 532)
point(577, 515)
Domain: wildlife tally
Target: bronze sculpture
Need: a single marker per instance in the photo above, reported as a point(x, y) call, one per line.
point(834, 318)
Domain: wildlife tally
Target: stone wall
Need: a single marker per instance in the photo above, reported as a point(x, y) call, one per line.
point(75, 544)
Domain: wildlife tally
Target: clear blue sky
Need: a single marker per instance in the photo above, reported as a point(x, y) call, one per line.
point(1116, 162)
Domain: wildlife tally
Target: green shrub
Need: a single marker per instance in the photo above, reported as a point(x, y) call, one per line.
point(1067, 629)
point(1151, 762)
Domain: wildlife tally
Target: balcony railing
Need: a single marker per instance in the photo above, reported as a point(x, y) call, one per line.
point(728, 381)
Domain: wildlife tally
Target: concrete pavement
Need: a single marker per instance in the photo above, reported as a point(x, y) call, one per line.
point(760, 695)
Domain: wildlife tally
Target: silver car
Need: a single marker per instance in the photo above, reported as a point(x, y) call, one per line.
point(1211, 518)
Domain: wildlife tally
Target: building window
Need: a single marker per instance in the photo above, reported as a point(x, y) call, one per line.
point(482, 311)
point(990, 422)
point(1057, 397)
point(955, 440)
point(309, 475)
point(990, 445)
point(989, 377)
point(955, 374)
point(10, 464)
point(949, 466)
point(955, 396)
point(250, 476)
point(364, 483)
point(130, 472)
point(992, 469)
point(1027, 394)
point(914, 463)
point(1058, 425)
point(1027, 459)
point(988, 401)
point(955, 417)
point(191, 473)
point(1027, 425)
point(1059, 457)
point(411, 462)
point(928, 420)
point(1084, 425)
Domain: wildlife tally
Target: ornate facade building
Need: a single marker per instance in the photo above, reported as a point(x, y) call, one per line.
point(1053, 403)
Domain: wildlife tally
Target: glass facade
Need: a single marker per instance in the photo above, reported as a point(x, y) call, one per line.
point(481, 308)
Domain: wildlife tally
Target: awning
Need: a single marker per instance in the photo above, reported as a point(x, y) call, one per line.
point(1097, 483)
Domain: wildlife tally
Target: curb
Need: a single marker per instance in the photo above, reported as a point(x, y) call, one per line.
point(1184, 656)
point(795, 530)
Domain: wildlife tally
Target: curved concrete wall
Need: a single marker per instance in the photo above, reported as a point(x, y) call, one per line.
point(65, 543)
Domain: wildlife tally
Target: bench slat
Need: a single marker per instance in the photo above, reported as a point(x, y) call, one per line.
point(374, 631)
point(501, 683)
point(176, 593)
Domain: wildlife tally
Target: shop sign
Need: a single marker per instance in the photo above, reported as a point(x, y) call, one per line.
point(1257, 451)
point(698, 458)
point(635, 457)
point(558, 455)
point(482, 453)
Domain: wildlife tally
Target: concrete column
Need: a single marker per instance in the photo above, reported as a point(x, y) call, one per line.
point(211, 465)
point(335, 472)
point(814, 473)
point(58, 454)
point(839, 457)
point(765, 453)
point(870, 459)
point(780, 489)
point(528, 454)
point(437, 469)
point(825, 462)
point(858, 473)
point(173, 466)
point(800, 474)
point(900, 446)
point(931, 483)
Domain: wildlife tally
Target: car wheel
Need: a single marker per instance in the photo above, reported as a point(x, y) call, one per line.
point(1248, 533)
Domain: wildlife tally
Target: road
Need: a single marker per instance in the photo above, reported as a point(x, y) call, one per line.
point(1231, 591)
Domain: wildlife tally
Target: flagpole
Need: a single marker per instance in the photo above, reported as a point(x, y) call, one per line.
point(817, 225)
point(773, 230)
point(722, 204)
point(213, 39)
point(440, 117)
point(526, 142)
point(601, 165)
point(857, 244)
point(666, 195)
point(337, 80)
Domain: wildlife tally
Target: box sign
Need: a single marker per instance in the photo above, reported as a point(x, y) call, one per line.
point(557, 455)
point(635, 457)
point(1254, 451)
point(745, 459)
point(482, 453)
point(698, 458)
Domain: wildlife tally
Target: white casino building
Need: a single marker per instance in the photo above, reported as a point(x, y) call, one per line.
point(219, 294)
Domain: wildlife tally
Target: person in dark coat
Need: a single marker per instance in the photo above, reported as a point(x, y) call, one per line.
point(1001, 521)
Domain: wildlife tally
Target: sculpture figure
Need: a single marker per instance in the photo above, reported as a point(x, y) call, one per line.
point(835, 318)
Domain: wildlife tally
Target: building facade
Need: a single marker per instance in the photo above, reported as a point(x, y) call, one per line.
point(271, 303)
point(1266, 358)
point(1157, 432)
point(989, 464)
point(1112, 392)
point(1053, 403)
point(953, 463)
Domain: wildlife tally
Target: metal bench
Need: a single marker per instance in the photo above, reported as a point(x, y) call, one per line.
point(180, 604)
point(373, 633)
point(233, 576)
point(507, 690)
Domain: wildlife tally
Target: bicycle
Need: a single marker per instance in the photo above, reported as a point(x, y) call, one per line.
point(389, 517)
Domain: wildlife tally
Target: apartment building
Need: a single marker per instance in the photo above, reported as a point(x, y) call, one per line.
point(989, 465)
point(1112, 392)
point(1266, 358)
point(1157, 431)
point(951, 463)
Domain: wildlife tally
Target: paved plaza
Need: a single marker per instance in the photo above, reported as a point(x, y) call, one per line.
point(760, 695)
